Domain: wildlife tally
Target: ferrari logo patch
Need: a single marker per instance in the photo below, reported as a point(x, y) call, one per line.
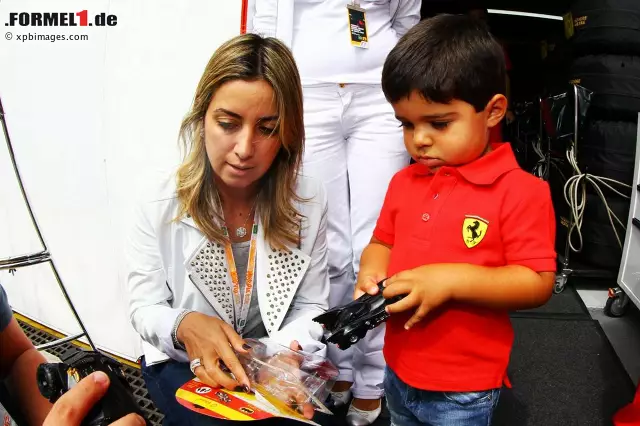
point(474, 229)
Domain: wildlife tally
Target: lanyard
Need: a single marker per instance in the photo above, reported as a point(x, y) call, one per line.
point(241, 304)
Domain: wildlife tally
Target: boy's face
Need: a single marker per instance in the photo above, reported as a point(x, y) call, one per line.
point(450, 134)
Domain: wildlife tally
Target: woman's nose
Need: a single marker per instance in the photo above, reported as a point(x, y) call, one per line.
point(244, 144)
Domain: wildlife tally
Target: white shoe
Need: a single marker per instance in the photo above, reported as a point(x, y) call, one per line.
point(341, 398)
point(357, 417)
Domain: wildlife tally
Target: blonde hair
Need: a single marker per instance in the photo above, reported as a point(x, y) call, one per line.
point(247, 57)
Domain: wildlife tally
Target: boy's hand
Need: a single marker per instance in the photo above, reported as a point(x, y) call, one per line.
point(426, 287)
point(368, 283)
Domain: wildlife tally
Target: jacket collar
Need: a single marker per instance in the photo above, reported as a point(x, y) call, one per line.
point(482, 171)
point(188, 220)
point(278, 275)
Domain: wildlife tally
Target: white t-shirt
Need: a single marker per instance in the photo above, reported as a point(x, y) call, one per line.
point(317, 31)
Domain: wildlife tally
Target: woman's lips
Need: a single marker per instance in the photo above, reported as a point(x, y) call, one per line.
point(239, 169)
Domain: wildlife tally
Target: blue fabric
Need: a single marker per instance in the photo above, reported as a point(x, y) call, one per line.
point(5, 310)
point(409, 406)
point(164, 379)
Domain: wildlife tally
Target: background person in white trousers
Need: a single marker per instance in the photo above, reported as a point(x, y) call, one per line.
point(353, 144)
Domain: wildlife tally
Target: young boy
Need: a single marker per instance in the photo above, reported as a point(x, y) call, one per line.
point(464, 233)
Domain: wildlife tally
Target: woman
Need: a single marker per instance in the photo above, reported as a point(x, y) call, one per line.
point(354, 145)
point(237, 204)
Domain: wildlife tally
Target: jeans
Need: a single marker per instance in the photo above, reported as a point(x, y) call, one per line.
point(164, 379)
point(409, 406)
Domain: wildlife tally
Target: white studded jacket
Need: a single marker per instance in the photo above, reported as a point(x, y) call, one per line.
point(292, 286)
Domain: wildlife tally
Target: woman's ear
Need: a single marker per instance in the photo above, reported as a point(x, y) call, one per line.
point(496, 110)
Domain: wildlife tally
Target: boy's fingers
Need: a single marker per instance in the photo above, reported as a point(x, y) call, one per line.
point(402, 305)
point(396, 289)
point(372, 287)
point(368, 285)
point(74, 405)
point(421, 312)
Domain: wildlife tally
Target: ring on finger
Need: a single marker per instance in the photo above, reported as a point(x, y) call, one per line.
point(195, 363)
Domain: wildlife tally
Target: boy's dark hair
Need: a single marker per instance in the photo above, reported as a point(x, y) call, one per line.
point(444, 58)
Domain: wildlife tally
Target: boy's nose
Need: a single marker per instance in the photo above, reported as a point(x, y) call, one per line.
point(422, 138)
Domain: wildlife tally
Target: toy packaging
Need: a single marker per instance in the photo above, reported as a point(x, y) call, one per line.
point(281, 381)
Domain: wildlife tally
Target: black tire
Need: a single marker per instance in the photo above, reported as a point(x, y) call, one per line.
point(615, 81)
point(606, 26)
point(608, 149)
point(600, 246)
point(617, 306)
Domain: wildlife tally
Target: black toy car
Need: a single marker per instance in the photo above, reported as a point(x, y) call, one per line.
point(346, 325)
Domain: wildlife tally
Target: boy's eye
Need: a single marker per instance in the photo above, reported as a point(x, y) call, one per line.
point(406, 125)
point(440, 125)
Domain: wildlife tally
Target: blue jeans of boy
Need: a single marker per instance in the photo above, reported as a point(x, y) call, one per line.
point(409, 406)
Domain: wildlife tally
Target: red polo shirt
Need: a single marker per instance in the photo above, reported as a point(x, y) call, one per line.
point(489, 212)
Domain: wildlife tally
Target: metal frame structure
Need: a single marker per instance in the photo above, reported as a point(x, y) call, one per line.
point(15, 262)
point(563, 275)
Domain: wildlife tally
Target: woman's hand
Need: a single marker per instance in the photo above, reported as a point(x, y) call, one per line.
point(282, 379)
point(213, 341)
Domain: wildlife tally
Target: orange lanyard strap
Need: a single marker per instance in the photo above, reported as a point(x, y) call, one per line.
point(241, 304)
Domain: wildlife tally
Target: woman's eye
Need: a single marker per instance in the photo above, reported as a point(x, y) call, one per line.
point(226, 126)
point(267, 131)
point(440, 125)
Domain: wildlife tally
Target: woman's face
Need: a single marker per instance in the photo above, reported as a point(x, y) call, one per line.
point(241, 138)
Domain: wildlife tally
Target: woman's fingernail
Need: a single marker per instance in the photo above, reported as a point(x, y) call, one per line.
point(240, 388)
point(246, 347)
point(247, 389)
point(100, 378)
point(223, 366)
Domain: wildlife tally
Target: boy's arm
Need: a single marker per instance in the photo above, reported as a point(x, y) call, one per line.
point(504, 288)
point(374, 264)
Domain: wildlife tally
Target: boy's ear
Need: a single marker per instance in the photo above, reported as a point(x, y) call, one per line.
point(496, 110)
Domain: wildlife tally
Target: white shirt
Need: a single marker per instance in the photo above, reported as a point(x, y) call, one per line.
point(317, 31)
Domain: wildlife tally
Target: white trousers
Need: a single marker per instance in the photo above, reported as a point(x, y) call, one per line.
point(354, 145)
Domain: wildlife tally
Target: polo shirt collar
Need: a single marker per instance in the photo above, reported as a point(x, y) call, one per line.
point(485, 170)
point(488, 168)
